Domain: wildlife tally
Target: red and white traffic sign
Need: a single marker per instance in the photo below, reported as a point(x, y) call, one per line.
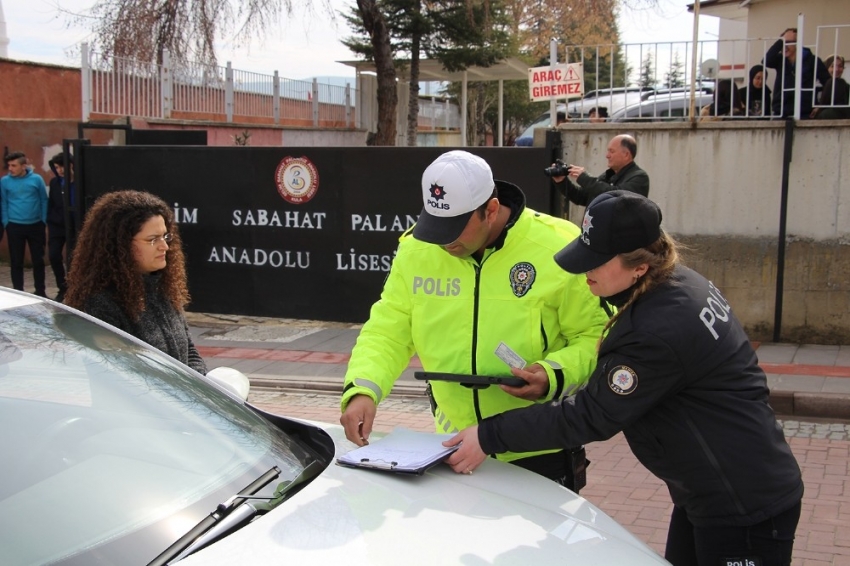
point(556, 81)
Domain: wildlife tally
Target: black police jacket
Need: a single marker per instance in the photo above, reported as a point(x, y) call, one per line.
point(678, 375)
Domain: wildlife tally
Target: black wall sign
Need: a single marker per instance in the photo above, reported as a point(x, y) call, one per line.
point(167, 137)
point(292, 232)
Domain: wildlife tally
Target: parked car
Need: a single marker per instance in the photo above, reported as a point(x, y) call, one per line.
point(614, 99)
point(672, 106)
point(114, 453)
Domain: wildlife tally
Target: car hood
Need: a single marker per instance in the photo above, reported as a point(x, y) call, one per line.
point(499, 515)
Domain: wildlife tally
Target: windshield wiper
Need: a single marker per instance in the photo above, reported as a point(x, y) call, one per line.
point(236, 512)
point(222, 510)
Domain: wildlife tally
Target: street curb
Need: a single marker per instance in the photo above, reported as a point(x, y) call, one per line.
point(328, 385)
point(820, 405)
point(784, 403)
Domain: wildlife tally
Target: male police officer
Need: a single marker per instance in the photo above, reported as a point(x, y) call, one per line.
point(478, 271)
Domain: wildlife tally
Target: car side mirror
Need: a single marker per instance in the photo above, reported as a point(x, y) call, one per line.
point(231, 379)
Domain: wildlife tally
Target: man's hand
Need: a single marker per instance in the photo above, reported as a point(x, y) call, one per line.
point(538, 383)
point(469, 456)
point(358, 418)
point(575, 171)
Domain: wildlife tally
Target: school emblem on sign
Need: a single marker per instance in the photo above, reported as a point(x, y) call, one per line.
point(522, 278)
point(622, 380)
point(297, 179)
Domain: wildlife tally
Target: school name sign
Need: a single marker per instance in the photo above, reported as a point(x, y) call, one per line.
point(556, 81)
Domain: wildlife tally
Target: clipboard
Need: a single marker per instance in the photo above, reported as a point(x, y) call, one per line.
point(402, 451)
point(474, 381)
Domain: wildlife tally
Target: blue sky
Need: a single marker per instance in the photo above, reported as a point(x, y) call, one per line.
point(306, 45)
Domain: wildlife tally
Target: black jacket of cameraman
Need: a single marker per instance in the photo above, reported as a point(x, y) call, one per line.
point(677, 374)
point(630, 178)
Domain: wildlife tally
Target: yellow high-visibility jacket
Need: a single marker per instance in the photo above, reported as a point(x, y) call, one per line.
point(454, 312)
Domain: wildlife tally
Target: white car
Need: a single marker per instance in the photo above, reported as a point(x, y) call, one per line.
point(669, 107)
point(113, 453)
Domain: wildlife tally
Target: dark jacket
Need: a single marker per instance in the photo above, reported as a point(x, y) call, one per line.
point(835, 97)
point(678, 375)
point(783, 102)
point(160, 324)
point(630, 178)
point(56, 203)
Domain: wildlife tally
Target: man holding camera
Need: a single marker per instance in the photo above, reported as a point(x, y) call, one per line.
point(622, 173)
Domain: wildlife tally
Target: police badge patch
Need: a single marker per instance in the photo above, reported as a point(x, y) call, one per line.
point(622, 380)
point(522, 278)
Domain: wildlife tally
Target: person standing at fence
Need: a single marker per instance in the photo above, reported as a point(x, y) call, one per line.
point(128, 270)
point(476, 273)
point(622, 173)
point(834, 98)
point(678, 376)
point(597, 115)
point(782, 56)
point(56, 220)
point(24, 212)
point(727, 103)
point(757, 96)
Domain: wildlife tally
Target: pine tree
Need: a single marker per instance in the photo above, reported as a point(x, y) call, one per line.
point(675, 77)
point(647, 73)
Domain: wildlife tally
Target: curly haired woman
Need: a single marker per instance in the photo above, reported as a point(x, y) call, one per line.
point(128, 270)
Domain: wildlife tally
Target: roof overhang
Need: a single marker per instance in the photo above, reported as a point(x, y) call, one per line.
point(510, 69)
point(724, 9)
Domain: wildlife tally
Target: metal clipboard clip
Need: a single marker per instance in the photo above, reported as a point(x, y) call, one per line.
point(378, 464)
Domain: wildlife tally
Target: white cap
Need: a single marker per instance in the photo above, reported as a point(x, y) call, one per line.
point(453, 187)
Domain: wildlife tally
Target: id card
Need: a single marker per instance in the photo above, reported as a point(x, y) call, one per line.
point(504, 353)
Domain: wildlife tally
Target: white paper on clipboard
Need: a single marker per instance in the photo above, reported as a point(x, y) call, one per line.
point(401, 451)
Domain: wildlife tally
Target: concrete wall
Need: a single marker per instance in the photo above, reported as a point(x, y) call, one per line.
point(719, 187)
point(769, 19)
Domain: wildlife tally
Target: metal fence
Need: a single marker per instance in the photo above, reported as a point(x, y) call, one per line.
point(652, 82)
point(438, 114)
point(125, 87)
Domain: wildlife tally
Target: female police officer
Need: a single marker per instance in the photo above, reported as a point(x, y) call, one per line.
point(677, 374)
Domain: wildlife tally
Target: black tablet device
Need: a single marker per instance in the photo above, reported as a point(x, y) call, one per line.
point(472, 380)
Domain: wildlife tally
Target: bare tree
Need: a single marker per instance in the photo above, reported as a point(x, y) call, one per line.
point(145, 29)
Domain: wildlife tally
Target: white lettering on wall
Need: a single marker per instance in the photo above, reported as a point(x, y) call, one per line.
point(377, 223)
point(185, 215)
point(260, 258)
point(354, 261)
point(289, 219)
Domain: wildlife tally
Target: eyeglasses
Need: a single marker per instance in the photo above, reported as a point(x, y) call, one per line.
point(157, 239)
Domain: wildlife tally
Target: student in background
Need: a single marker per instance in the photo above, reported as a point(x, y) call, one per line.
point(756, 96)
point(56, 220)
point(23, 199)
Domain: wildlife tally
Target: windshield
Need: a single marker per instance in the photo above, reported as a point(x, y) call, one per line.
point(112, 450)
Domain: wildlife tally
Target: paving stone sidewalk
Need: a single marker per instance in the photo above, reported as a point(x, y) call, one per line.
point(623, 488)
